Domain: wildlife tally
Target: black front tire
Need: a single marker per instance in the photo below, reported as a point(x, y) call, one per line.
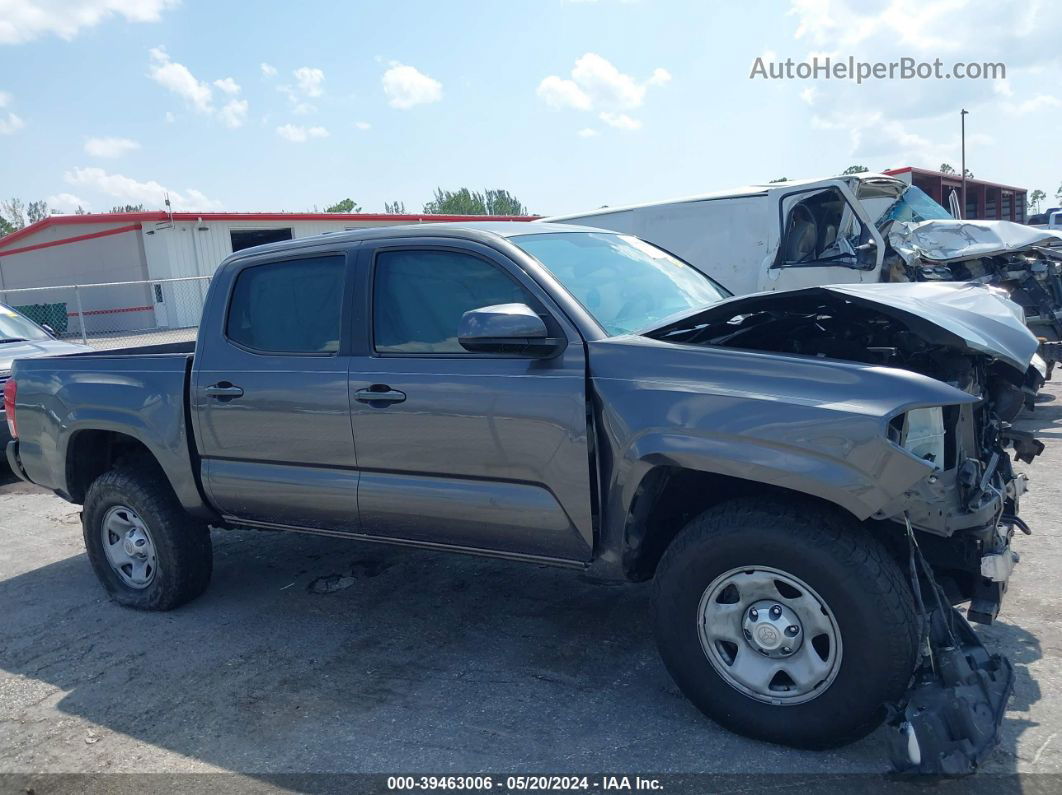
point(182, 546)
point(854, 575)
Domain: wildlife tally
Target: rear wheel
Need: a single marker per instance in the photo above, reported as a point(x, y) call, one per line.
point(786, 623)
point(147, 552)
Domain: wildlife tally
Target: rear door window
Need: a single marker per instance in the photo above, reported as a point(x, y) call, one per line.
point(293, 306)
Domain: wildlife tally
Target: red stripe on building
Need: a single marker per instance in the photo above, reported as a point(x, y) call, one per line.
point(159, 217)
point(105, 233)
point(112, 311)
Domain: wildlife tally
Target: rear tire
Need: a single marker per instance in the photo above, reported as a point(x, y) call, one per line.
point(147, 552)
point(740, 566)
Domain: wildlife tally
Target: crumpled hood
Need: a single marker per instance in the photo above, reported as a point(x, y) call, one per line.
point(35, 349)
point(948, 240)
point(965, 316)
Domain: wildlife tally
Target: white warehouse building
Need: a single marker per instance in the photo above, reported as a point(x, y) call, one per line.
point(98, 274)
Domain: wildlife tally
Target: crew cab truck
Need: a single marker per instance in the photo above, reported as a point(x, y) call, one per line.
point(546, 393)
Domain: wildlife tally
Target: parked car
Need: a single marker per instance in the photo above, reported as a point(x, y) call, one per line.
point(855, 229)
point(21, 338)
point(566, 396)
point(1052, 219)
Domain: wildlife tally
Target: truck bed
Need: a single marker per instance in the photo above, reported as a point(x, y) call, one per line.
point(137, 393)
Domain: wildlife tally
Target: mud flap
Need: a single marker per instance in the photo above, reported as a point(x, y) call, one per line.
point(950, 718)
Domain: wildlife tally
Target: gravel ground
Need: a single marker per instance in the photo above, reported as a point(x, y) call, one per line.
point(322, 655)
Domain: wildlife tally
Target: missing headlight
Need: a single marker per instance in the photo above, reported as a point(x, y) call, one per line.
point(922, 434)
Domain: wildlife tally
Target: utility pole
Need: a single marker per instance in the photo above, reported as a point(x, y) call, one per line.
point(962, 117)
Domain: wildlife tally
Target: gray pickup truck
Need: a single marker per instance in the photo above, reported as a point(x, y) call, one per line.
point(567, 396)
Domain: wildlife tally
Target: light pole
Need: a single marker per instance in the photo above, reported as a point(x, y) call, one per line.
point(962, 117)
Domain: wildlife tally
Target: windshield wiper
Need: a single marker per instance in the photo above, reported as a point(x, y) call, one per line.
point(13, 339)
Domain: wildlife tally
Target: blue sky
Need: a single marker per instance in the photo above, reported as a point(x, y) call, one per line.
point(570, 105)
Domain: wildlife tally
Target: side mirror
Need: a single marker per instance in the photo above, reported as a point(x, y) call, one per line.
point(49, 329)
point(514, 329)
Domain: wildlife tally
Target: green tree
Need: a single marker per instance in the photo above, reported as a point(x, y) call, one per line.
point(5, 227)
point(945, 168)
point(460, 202)
point(855, 170)
point(395, 208)
point(37, 211)
point(1058, 193)
point(1035, 198)
point(495, 201)
point(969, 174)
point(780, 179)
point(128, 208)
point(14, 212)
point(501, 202)
point(348, 205)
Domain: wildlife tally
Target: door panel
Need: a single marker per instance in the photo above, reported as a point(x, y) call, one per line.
point(484, 451)
point(273, 427)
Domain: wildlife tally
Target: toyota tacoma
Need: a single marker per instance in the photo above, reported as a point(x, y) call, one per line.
point(811, 478)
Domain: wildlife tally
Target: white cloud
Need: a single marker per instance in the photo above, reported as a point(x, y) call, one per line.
point(268, 70)
point(177, 78)
point(659, 77)
point(227, 85)
point(234, 113)
point(130, 191)
point(588, 132)
point(916, 121)
point(597, 85)
point(9, 123)
point(110, 147)
point(620, 121)
point(309, 80)
point(559, 93)
point(298, 134)
point(26, 20)
point(170, 117)
point(1037, 103)
point(362, 125)
point(66, 202)
point(406, 86)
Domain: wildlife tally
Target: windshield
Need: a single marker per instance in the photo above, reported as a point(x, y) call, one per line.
point(914, 205)
point(14, 327)
point(625, 283)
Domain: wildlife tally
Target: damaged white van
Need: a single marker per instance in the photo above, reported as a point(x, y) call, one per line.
point(859, 228)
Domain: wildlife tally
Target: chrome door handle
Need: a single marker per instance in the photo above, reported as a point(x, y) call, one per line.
point(223, 390)
point(379, 393)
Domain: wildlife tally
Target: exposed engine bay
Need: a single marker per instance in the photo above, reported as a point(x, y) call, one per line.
point(964, 335)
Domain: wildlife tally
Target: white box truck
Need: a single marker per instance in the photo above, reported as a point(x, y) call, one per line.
point(859, 228)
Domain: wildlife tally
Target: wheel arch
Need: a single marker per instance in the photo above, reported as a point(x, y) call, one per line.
point(91, 452)
point(668, 497)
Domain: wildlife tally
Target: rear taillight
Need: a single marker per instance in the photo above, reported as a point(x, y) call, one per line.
point(10, 389)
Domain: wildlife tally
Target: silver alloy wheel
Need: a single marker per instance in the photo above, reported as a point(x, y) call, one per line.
point(769, 635)
point(128, 547)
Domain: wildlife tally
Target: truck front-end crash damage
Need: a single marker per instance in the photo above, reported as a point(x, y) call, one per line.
point(954, 526)
point(1024, 261)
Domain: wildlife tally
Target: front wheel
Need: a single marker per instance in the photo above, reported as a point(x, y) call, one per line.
point(146, 551)
point(785, 622)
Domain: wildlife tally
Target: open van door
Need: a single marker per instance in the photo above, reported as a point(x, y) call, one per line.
point(824, 237)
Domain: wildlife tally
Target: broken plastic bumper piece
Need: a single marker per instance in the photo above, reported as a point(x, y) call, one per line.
point(950, 719)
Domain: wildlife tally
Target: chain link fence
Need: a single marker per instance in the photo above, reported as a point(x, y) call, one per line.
point(116, 314)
